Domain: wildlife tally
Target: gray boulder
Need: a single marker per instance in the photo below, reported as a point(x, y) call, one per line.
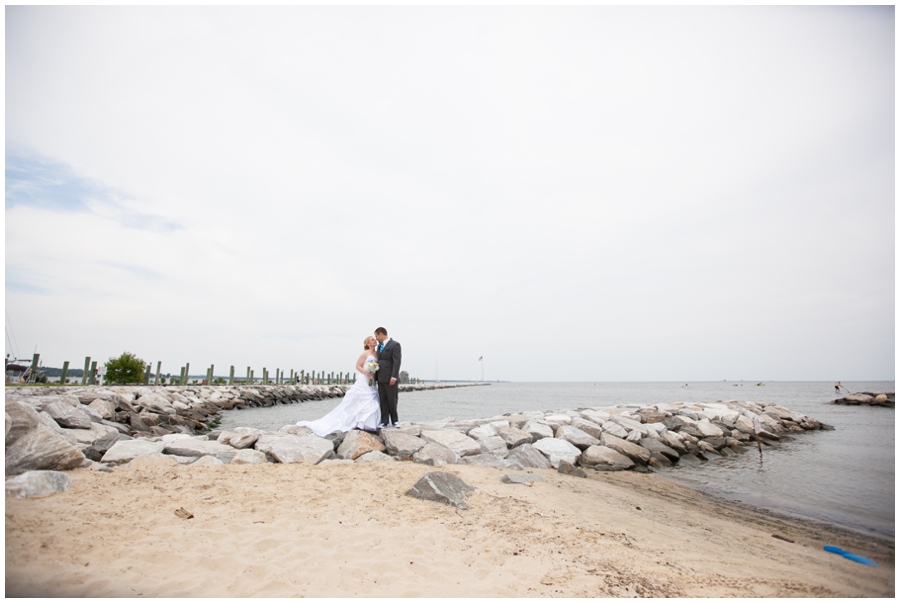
point(22, 419)
point(567, 468)
point(605, 458)
point(104, 408)
point(494, 445)
point(37, 483)
point(208, 461)
point(374, 456)
point(191, 447)
point(576, 437)
point(654, 445)
point(595, 416)
point(556, 450)
point(67, 416)
point(458, 442)
point(241, 437)
point(42, 448)
point(615, 429)
point(356, 443)
point(125, 451)
point(592, 429)
point(249, 456)
point(482, 432)
point(441, 487)
point(537, 430)
point(401, 445)
point(629, 449)
point(528, 457)
point(295, 449)
point(489, 460)
point(435, 454)
point(156, 403)
point(514, 437)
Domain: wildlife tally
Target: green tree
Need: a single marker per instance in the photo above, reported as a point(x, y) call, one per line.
point(125, 369)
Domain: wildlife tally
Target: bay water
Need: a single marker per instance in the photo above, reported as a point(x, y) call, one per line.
point(845, 476)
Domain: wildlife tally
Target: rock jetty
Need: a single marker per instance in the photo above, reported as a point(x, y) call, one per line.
point(867, 399)
point(105, 427)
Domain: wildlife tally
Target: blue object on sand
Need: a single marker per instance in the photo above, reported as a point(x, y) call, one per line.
point(850, 556)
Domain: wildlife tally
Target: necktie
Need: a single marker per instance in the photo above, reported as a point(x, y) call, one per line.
point(380, 347)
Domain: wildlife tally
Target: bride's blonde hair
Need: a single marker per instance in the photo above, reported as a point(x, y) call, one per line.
point(366, 342)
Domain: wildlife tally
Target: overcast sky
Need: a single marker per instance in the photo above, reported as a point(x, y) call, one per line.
point(575, 194)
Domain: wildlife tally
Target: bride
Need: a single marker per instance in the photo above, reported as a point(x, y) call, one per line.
point(360, 408)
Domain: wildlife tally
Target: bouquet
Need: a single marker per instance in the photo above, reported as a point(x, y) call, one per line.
point(371, 368)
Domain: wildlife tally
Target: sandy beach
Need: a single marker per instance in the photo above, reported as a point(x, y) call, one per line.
point(349, 530)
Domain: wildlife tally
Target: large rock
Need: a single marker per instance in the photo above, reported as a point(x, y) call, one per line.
point(125, 451)
point(514, 437)
point(655, 445)
point(240, 438)
point(482, 432)
point(156, 403)
point(37, 483)
point(673, 441)
point(708, 429)
point(22, 419)
point(192, 447)
point(42, 448)
point(629, 449)
point(357, 443)
point(401, 445)
point(537, 430)
point(628, 424)
point(555, 420)
point(441, 487)
point(555, 450)
point(527, 457)
point(374, 456)
point(435, 454)
point(249, 456)
point(87, 437)
point(458, 442)
point(615, 429)
point(488, 460)
point(295, 449)
point(494, 445)
point(744, 425)
point(104, 408)
point(595, 416)
point(588, 427)
point(576, 437)
point(67, 416)
point(605, 458)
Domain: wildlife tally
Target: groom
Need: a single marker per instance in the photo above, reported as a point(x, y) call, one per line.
point(388, 376)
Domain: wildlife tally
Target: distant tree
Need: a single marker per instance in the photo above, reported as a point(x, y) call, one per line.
point(125, 369)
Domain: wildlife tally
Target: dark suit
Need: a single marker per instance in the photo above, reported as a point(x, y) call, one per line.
point(388, 367)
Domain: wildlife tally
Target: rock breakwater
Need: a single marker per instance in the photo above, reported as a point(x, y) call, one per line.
point(105, 427)
point(867, 399)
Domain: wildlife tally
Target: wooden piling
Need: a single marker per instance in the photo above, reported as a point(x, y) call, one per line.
point(65, 369)
point(93, 378)
point(87, 366)
point(231, 376)
point(158, 367)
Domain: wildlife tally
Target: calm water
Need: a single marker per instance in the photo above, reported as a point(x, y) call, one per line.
point(845, 476)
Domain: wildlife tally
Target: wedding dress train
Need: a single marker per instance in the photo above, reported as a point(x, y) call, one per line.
point(358, 410)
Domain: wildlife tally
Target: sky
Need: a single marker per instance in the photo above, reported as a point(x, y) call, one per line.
point(585, 193)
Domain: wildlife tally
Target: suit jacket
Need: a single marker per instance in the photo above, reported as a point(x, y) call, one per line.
point(389, 362)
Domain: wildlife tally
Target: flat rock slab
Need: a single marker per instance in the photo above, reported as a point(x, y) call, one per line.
point(191, 447)
point(401, 444)
point(527, 456)
point(435, 454)
point(38, 483)
point(441, 487)
point(295, 449)
point(518, 478)
point(556, 450)
point(458, 442)
point(249, 456)
point(606, 459)
point(358, 443)
point(125, 451)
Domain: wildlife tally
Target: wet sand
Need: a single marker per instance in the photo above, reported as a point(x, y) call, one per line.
point(348, 530)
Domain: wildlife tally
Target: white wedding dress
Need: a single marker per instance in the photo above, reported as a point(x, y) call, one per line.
point(358, 410)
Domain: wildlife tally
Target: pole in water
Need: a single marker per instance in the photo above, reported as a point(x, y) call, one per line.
point(757, 428)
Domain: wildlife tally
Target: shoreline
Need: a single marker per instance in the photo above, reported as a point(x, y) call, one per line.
point(349, 530)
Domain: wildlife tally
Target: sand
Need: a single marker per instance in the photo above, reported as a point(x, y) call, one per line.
point(349, 530)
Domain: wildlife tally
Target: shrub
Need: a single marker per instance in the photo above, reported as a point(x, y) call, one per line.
point(125, 369)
